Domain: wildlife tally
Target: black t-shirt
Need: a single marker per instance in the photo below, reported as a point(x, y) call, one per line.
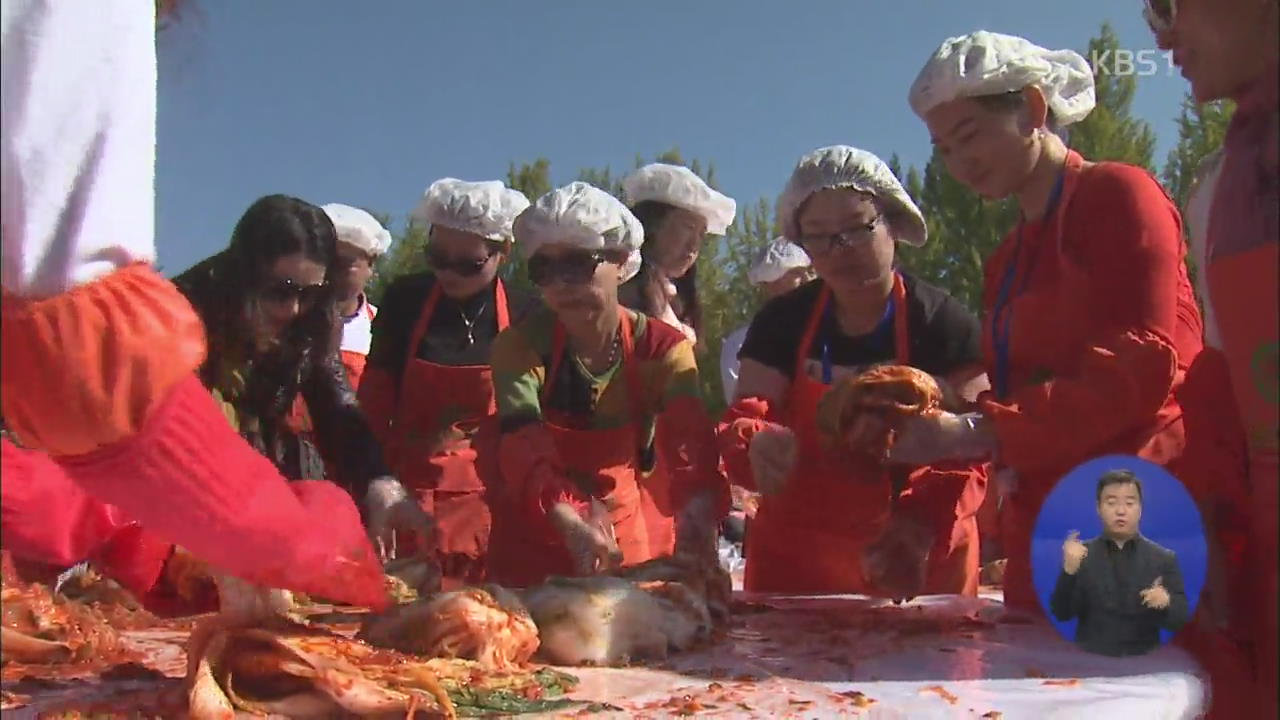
point(944, 335)
point(445, 341)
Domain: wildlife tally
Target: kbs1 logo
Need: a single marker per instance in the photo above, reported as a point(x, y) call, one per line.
point(1142, 63)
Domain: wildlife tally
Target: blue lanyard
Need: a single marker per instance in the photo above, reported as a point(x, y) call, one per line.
point(1002, 312)
point(828, 322)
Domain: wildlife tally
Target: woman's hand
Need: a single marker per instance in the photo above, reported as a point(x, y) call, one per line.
point(591, 542)
point(389, 510)
point(773, 456)
point(931, 438)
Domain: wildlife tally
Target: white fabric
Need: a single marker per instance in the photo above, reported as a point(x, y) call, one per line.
point(487, 209)
point(844, 167)
point(729, 361)
point(359, 228)
point(681, 187)
point(77, 141)
point(1199, 203)
point(779, 257)
point(357, 330)
point(987, 63)
point(584, 216)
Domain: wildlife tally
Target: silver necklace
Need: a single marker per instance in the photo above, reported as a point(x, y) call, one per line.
point(471, 323)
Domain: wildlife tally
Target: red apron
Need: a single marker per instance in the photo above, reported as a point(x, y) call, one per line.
point(810, 538)
point(1056, 346)
point(441, 448)
point(602, 463)
point(1248, 327)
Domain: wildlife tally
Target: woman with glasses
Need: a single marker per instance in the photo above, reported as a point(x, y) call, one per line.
point(1089, 318)
point(428, 391)
point(677, 210)
point(1229, 50)
point(829, 522)
point(580, 385)
point(267, 305)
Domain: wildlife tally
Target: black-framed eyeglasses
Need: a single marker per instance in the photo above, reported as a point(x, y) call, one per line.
point(466, 267)
point(281, 292)
point(823, 244)
point(571, 268)
point(1160, 14)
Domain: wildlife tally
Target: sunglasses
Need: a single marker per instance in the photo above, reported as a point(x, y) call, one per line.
point(466, 267)
point(1160, 14)
point(282, 292)
point(573, 268)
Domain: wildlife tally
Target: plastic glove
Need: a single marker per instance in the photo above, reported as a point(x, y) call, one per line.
point(696, 531)
point(591, 541)
point(388, 508)
point(897, 562)
point(773, 456)
point(928, 439)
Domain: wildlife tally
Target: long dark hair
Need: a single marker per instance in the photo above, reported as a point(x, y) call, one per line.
point(651, 215)
point(225, 290)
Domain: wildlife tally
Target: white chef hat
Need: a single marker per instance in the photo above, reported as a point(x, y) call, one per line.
point(487, 209)
point(359, 228)
point(584, 216)
point(987, 63)
point(681, 187)
point(842, 167)
point(779, 257)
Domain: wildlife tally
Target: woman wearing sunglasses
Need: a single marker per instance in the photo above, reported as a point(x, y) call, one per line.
point(580, 385)
point(271, 319)
point(1229, 50)
point(828, 521)
point(677, 210)
point(429, 390)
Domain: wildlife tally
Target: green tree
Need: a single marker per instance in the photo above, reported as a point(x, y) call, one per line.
point(1201, 129)
point(1111, 132)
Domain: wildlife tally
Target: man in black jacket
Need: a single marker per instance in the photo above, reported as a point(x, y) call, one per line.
point(1122, 587)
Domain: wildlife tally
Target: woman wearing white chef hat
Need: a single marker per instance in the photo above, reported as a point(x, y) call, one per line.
point(1089, 319)
point(580, 385)
point(429, 391)
point(829, 522)
point(781, 267)
point(361, 241)
point(678, 210)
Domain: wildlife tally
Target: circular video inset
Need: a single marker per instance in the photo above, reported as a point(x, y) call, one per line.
point(1119, 556)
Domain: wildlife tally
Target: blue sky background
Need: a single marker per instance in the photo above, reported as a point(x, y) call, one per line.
point(367, 103)
point(1169, 517)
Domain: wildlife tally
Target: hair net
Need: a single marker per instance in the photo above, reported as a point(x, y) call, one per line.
point(843, 167)
point(780, 256)
point(584, 216)
point(487, 209)
point(987, 63)
point(359, 228)
point(681, 187)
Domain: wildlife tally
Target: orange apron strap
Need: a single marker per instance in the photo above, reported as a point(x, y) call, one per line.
point(415, 337)
point(902, 344)
point(811, 330)
point(500, 305)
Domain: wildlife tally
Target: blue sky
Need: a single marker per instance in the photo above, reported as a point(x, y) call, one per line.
point(367, 103)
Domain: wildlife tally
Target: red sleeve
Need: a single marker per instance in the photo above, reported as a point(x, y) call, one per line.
point(687, 441)
point(741, 422)
point(534, 478)
point(1130, 240)
point(1121, 384)
point(46, 517)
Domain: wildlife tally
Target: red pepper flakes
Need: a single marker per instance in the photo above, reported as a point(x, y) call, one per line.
point(858, 699)
point(942, 693)
point(1062, 683)
point(715, 686)
point(993, 715)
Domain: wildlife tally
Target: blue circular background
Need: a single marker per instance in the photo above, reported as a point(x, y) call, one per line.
point(1169, 517)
